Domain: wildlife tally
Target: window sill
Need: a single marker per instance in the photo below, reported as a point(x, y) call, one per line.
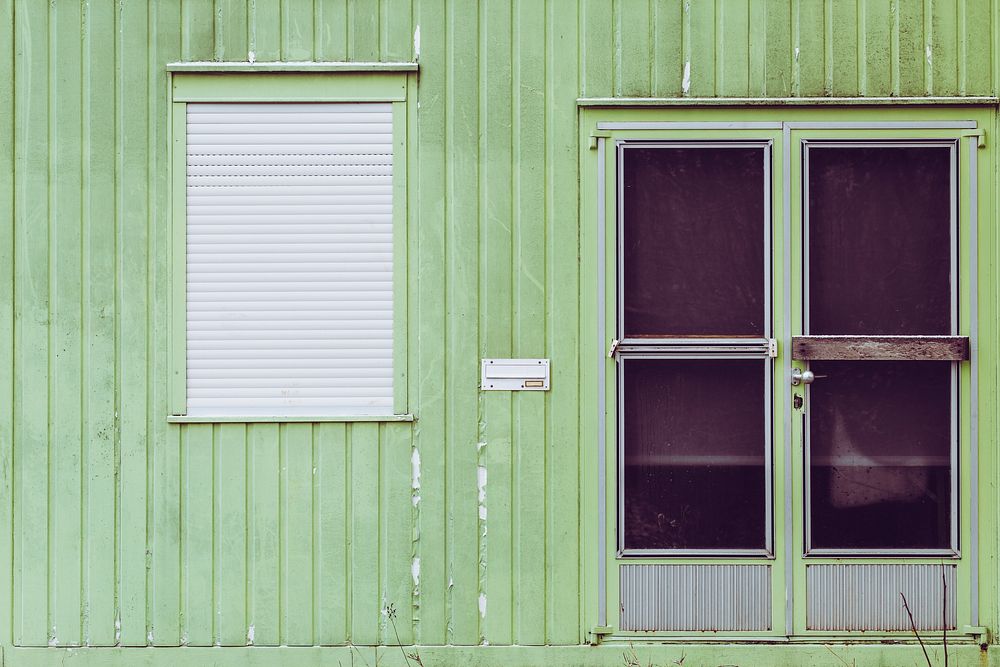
point(264, 419)
point(289, 66)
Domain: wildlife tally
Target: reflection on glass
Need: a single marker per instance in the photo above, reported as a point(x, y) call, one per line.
point(880, 455)
point(694, 447)
point(693, 241)
point(880, 240)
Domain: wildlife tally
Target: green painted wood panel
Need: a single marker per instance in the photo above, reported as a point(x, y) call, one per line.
point(123, 529)
point(780, 48)
point(7, 299)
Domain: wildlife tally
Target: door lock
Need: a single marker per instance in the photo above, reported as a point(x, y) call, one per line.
point(802, 377)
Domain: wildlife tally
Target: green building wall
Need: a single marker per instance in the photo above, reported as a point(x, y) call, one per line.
point(118, 529)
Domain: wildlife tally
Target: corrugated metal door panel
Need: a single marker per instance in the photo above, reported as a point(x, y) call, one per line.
point(695, 597)
point(868, 597)
point(289, 259)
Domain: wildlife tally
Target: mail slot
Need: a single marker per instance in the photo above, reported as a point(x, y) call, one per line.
point(515, 375)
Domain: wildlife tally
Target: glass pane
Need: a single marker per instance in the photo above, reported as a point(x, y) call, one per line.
point(694, 454)
point(880, 454)
point(879, 240)
point(693, 241)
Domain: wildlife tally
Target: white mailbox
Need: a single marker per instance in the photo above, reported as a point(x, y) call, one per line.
point(515, 375)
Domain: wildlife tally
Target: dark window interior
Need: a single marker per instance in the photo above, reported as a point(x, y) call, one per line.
point(693, 241)
point(880, 240)
point(880, 448)
point(694, 454)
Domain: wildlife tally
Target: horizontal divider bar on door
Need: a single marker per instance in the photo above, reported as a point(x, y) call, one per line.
point(880, 348)
point(762, 347)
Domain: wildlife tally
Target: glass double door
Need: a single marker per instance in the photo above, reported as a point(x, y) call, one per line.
point(792, 366)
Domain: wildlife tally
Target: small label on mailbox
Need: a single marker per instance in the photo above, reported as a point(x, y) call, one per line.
point(515, 375)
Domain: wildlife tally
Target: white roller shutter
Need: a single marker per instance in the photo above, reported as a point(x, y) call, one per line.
point(289, 259)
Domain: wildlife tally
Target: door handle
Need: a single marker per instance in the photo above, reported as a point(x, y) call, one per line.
point(803, 377)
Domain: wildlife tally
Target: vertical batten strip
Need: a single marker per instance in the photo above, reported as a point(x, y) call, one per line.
point(100, 328)
point(699, 78)
point(813, 52)
point(365, 565)
point(861, 47)
point(945, 45)
point(296, 535)
point(230, 526)
point(31, 240)
point(734, 49)
point(265, 31)
point(667, 56)
point(597, 48)
point(65, 329)
point(197, 535)
point(396, 31)
point(430, 570)
point(757, 47)
point(795, 18)
point(230, 30)
point(462, 331)
point(330, 529)
point(364, 32)
point(929, 66)
point(133, 329)
point(634, 45)
point(8, 126)
point(828, 47)
point(530, 317)
point(496, 308)
point(845, 48)
point(395, 516)
point(330, 30)
point(164, 589)
point(777, 34)
point(962, 44)
point(264, 540)
point(51, 406)
point(297, 30)
point(562, 326)
point(910, 57)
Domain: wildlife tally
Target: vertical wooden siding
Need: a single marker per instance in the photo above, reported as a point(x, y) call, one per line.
point(786, 48)
point(125, 530)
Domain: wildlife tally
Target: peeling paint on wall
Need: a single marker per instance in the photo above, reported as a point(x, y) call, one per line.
point(415, 463)
point(481, 484)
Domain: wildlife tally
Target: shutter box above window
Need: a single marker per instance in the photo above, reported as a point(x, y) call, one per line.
point(289, 259)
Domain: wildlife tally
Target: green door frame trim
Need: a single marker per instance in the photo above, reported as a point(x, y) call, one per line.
point(968, 125)
point(333, 82)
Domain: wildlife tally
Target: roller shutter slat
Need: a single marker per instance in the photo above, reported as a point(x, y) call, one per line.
point(255, 150)
point(226, 162)
point(289, 259)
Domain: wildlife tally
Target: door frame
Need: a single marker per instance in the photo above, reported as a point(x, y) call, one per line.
point(599, 129)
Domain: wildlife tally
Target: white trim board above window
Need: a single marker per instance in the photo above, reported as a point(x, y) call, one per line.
point(289, 259)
